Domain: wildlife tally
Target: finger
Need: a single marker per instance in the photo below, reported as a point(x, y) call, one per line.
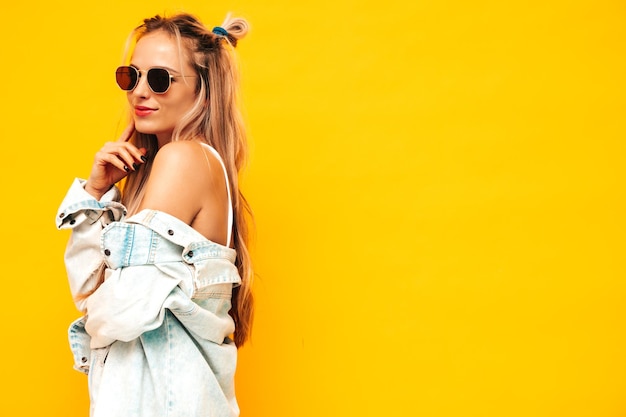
point(127, 155)
point(127, 150)
point(144, 154)
point(127, 133)
point(104, 159)
point(122, 151)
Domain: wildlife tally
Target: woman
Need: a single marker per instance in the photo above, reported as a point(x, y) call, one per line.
point(163, 274)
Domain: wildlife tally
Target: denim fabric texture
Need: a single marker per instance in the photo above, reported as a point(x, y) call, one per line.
point(155, 336)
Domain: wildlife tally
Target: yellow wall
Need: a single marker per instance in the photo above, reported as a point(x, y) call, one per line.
point(439, 195)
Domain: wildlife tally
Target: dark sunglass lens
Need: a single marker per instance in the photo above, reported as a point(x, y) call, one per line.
point(126, 78)
point(159, 80)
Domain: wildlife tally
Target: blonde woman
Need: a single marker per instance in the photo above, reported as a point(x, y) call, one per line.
point(161, 269)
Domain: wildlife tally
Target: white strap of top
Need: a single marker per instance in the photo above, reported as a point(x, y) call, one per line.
point(230, 203)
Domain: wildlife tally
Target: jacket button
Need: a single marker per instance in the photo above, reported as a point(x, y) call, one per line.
point(107, 252)
point(170, 232)
point(83, 359)
point(190, 254)
point(61, 215)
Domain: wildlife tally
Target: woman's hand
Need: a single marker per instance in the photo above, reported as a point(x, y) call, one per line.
point(113, 162)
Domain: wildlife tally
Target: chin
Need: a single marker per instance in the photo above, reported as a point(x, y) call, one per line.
point(142, 127)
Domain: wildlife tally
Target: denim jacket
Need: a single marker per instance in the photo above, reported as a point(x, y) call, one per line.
point(155, 336)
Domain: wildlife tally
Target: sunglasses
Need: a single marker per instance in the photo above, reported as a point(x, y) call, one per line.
point(159, 79)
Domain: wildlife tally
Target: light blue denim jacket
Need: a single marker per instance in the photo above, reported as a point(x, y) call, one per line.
point(155, 337)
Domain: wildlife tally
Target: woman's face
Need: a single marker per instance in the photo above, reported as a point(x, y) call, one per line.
point(154, 113)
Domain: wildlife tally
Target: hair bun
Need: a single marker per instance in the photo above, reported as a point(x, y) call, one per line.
point(236, 28)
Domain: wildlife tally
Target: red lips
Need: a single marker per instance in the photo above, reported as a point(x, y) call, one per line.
point(143, 111)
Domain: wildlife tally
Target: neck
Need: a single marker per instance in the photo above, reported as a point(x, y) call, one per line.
point(163, 139)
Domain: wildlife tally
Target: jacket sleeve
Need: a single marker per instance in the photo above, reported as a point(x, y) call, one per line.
point(134, 299)
point(86, 217)
point(131, 301)
point(155, 263)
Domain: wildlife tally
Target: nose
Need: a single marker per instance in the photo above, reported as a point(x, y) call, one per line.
point(142, 89)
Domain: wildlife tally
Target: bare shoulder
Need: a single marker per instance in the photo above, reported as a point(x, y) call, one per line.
point(186, 157)
point(183, 180)
point(183, 154)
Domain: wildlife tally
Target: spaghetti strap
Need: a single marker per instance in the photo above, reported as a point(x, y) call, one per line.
point(230, 202)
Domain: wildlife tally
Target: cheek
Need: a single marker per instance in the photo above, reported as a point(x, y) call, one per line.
point(187, 102)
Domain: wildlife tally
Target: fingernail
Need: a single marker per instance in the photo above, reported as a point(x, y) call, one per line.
point(135, 166)
point(143, 158)
point(126, 168)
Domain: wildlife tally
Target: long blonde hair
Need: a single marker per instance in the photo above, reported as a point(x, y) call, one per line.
point(216, 119)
